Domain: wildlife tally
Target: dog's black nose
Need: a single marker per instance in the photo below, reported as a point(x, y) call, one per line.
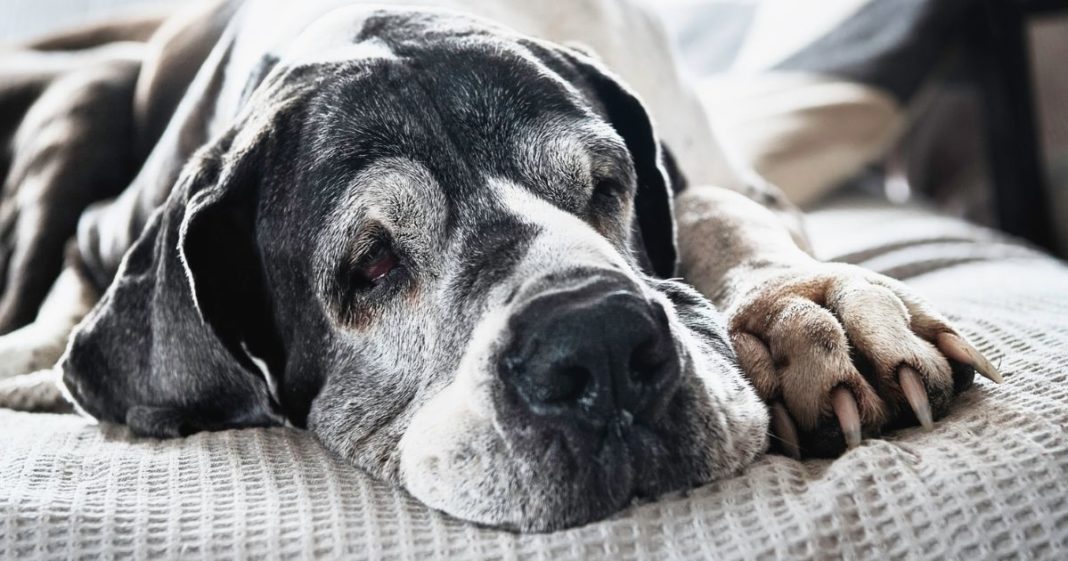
point(591, 356)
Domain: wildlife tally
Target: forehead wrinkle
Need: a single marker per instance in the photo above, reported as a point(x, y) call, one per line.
point(378, 108)
point(458, 109)
point(484, 88)
point(393, 118)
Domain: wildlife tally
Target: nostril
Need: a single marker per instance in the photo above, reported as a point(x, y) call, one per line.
point(559, 386)
point(647, 361)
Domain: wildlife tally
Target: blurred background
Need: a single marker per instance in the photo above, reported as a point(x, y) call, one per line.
point(963, 103)
point(960, 103)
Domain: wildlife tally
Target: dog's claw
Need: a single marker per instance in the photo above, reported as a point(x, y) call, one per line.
point(956, 348)
point(916, 394)
point(845, 408)
point(782, 425)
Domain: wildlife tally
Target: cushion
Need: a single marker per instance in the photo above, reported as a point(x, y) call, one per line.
point(990, 481)
point(809, 93)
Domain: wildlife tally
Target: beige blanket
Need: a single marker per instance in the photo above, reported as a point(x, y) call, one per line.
point(990, 482)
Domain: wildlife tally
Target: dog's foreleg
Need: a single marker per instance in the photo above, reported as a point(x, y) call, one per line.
point(39, 345)
point(725, 235)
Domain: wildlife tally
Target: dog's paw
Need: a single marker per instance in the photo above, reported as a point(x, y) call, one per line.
point(840, 353)
point(39, 392)
point(27, 350)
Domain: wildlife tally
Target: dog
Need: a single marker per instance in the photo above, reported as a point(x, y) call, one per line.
point(488, 251)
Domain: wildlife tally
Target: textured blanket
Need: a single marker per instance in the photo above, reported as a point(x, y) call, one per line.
point(991, 481)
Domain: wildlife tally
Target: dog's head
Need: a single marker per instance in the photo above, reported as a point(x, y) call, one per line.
point(440, 248)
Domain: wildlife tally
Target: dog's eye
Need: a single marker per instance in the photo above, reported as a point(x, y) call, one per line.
point(367, 281)
point(608, 195)
point(608, 189)
point(374, 267)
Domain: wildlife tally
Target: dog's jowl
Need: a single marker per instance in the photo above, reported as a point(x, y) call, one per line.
point(451, 242)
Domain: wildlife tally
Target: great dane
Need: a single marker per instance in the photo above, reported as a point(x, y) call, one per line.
point(480, 249)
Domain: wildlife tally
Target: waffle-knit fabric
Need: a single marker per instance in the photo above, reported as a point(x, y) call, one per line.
point(990, 482)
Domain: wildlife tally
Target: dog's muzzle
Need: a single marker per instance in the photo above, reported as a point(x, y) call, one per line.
point(590, 359)
point(583, 390)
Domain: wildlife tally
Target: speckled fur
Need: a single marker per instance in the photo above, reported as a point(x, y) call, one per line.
point(308, 128)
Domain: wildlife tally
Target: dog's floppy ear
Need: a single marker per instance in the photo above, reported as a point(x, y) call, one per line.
point(654, 231)
point(169, 348)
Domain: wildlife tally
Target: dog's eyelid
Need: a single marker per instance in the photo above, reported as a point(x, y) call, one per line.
point(608, 186)
point(366, 241)
point(614, 185)
point(371, 243)
point(613, 171)
point(373, 261)
point(610, 154)
point(368, 238)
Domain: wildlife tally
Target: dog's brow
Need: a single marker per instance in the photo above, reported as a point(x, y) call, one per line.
point(565, 158)
point(610, 158)
point(398, 193)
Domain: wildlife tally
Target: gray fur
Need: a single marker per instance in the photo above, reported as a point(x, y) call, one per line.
point(498, 167)
point(385, 224)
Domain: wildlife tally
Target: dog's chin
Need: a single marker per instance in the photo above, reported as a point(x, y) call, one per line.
point(459, 457)
point(479, 479)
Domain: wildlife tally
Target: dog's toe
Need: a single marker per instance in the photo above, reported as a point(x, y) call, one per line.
point(844, 354)
point(38, 392)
